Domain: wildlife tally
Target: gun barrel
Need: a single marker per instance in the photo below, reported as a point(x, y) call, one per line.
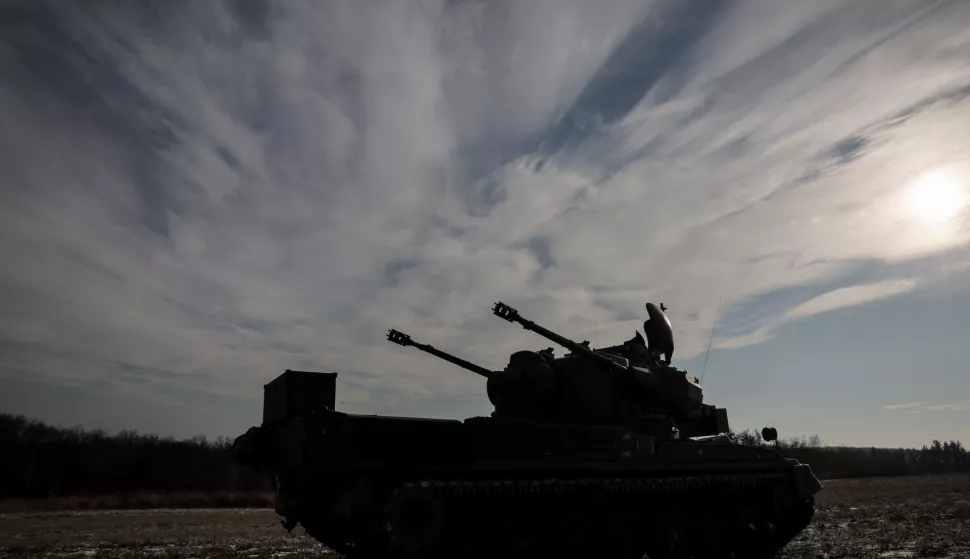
point(506, 312)
point(403, 339)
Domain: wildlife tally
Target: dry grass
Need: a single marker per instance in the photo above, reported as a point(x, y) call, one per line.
point(169, 534)
point(918, 517)
point(922, 516)
point(144, 500)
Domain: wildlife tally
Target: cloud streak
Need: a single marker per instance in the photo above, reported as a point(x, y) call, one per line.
point(919, 407)
point(841, 298)
point(851, 296)
point(225, 190)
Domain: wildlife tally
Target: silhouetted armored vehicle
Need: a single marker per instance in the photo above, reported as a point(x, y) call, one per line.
point(605, 452)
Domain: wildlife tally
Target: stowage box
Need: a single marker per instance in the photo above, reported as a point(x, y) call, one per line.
point(297, 392)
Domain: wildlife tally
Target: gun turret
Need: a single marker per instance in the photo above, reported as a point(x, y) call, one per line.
point(403, 339)
point(506, 312)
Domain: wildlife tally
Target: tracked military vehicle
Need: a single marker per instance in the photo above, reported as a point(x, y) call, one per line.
point(605, 452)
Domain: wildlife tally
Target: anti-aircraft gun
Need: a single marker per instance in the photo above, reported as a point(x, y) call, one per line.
point(596, 387)
point(602, 386)
point(403, 339)
point(608, 452)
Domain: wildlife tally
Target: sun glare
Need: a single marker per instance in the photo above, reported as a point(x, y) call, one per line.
point(937, 196)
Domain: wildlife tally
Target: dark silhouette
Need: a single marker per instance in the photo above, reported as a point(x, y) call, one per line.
point(38, 460)
point(601, 452)
point(660, 334)
point(831, 462)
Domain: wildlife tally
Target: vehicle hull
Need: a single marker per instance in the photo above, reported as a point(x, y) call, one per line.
point(374, 486)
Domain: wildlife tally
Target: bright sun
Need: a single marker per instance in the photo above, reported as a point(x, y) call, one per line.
point(937, 196)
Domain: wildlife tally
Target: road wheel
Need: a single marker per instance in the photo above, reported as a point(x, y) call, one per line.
point(413, 518)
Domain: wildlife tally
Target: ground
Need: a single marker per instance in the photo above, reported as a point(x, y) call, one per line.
point(913, 517)
point(865, 518)
point(176, 533)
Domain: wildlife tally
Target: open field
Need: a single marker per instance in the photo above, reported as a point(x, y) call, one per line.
point(861, 518)
point(144, 500)
point(170, 533)
point(922, 516)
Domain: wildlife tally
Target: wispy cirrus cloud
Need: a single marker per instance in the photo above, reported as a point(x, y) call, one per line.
point(904, 406)
point(851, 296)
point(841, 298)
point(919, 407)
point(235, 188)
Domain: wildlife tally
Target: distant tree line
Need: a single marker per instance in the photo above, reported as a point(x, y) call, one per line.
point(38, 460)
point(829, 462)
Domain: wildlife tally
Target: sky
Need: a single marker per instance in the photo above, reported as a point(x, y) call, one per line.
point(199, 196)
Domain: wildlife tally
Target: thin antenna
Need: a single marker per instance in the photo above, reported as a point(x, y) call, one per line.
point(713, 326)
